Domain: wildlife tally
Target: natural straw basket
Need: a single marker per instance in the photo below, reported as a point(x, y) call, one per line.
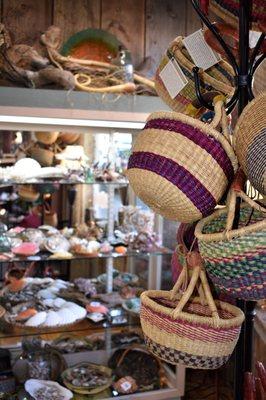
point(235, 259)
point(250, 139)
point(228, 10)
point(197, 332)
point(180, 166)
point(217, 78)
point(46, 137)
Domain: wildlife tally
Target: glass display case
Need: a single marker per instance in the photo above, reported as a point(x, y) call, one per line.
point(71, 282)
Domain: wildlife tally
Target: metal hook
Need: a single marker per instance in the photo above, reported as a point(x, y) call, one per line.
point(229, 106)
point(215, 32)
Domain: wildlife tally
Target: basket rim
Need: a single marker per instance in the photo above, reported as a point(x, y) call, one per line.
point(226, 235)
point(202, 126)
point(148, 296)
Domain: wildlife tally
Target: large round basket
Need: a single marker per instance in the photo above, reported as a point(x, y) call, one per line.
point(235, 259)
point(250, 138)
point(180, 166)
point(190, 331)
point(217, 78)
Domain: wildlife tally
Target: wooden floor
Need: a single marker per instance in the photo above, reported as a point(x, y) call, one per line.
point(208, 385)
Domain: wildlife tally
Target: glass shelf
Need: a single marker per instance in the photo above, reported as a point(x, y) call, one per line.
point(121, 183)
point(43, 256)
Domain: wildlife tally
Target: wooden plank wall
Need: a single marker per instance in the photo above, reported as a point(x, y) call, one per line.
point(144, 26)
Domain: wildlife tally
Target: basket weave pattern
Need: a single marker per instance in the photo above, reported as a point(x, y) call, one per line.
point(219, 77)
point(237, 267)
point(189, 331)
point(250, 137)
point(228, 10)
point(180, 166)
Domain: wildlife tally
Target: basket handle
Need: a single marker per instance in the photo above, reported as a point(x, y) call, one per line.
point(220, 116)
point(137, 347)
point(198, 274)
point(237, 191)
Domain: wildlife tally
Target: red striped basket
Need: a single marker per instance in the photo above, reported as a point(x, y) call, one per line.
point(181, 167)
point(228, 10)
point(196, 332)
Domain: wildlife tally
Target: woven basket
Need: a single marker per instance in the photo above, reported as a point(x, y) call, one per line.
point(250, 139)
point(44, 156)
point(235, 259)
point(217, 78)
point(196, 332)
point(228, 10)
point(46, 137)
point(68, 137)
point(28, 193)
point(181, 167)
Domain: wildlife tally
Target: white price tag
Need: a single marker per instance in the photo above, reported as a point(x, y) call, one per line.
point(173, 78)
point(253, 38)
point(126, 386)
point(199, 50)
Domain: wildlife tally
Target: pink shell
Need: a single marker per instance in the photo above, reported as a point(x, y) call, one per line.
point(26, 249)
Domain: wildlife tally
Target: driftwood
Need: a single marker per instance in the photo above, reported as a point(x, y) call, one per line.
point(23, 64)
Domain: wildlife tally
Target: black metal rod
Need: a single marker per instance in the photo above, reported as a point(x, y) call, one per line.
point(215, 32)
point(255, 51)
point(198, 92)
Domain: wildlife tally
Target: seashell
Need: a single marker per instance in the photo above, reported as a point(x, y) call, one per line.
point(33, 386)
point(37, 319)
point(46, 294)
point(67, 316)
point(53, 289)
point(78, 311)
point(26, 314)
point(48, 302)
point(58, 302)
point(53, 319)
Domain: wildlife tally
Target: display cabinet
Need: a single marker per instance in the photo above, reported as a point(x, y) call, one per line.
point(46, 110)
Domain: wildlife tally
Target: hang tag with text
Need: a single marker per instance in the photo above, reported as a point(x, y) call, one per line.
point(199, 50)
point(173, 78)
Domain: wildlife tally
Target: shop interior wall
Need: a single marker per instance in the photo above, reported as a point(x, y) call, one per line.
point(144, 26)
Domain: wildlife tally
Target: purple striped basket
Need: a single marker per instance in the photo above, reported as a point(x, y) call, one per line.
point(180, 167)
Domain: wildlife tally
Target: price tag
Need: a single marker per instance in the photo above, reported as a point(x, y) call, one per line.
point(199, 50)
point(173, 78)
point(126, 386)
point(253, 38)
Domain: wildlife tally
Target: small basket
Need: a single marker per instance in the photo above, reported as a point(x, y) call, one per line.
point(44, 156)
point(217, 78)
point(28, 193)
point(181, 167)
point(68, 137)
point(84, 390)
point(228, 10)
point(197, 332)
point(235, 259)
point(250, 139)
point(46, 137)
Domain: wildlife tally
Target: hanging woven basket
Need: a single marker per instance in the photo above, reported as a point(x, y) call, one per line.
point(235, 259)
point(181, 167)
point(196, 332)
point(217, 78)
point(250, 142)
point(228, 10)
